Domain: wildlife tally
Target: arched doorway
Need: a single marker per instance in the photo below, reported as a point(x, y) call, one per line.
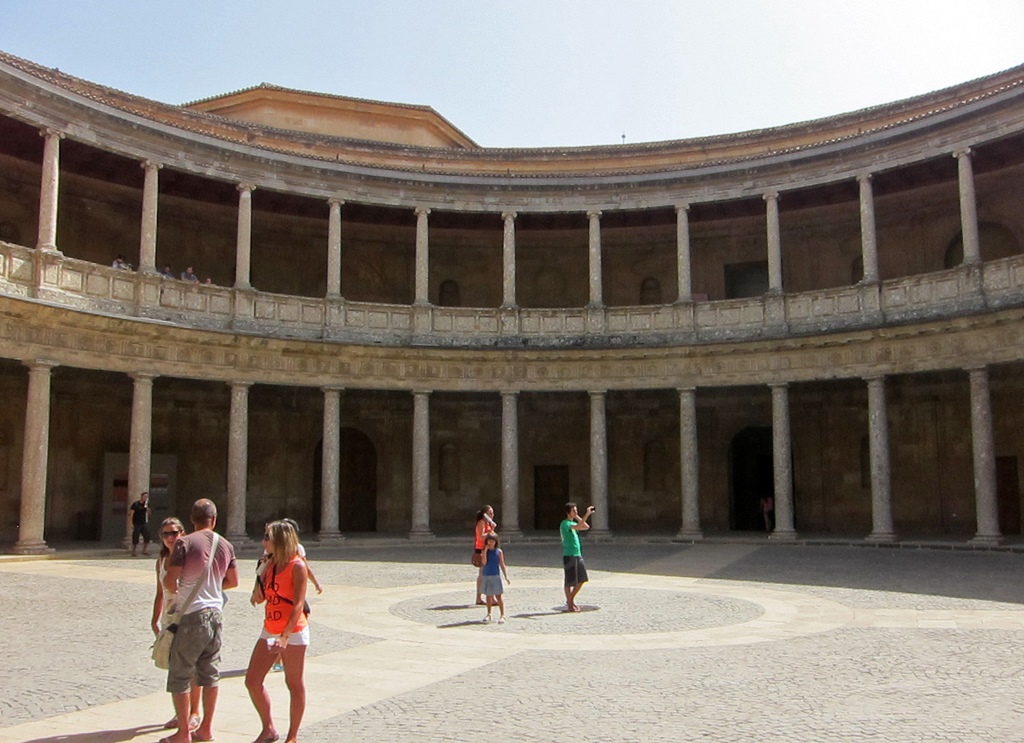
point(357, 482)
point(751, 475)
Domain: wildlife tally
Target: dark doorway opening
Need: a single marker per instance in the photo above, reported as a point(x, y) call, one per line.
point(550, 494)
point(357, 483)
point(751, 477)
point(1008, 495)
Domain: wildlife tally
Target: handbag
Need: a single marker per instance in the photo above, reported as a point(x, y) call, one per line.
point(478, 559)
point(161, 648)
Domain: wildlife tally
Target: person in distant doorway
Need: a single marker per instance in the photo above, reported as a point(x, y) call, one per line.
point(493, 569)
point(121, 263)
point(138, 515)
point(189, 275)
point(768, 512)
point(166, 272)
point(572, 554)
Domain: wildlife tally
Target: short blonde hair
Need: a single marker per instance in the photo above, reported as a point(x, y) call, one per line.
point(284, 542)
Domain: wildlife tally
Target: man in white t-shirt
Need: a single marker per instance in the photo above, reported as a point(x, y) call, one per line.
point(195, 652)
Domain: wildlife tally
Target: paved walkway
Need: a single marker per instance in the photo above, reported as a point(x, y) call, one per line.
point(707, 642)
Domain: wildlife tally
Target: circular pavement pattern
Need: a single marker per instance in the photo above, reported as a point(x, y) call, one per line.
point(604, 611)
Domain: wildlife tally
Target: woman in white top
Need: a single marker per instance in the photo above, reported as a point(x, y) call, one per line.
point(170, 530)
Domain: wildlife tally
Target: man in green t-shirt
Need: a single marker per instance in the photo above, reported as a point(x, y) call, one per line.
point(572, 556)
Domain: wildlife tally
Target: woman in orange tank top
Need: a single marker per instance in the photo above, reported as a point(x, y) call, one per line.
point(282, 589)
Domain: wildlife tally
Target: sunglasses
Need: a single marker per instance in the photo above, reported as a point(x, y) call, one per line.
point(166, 534)
point(266, 537)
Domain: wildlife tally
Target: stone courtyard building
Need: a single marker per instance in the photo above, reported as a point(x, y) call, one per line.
point(394, 326)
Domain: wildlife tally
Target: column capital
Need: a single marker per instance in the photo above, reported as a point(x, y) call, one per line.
point(963, 152)
point(865, 177)
point(51, 132)
point(593, 213)
point(40, 363)
point(684, 390)
point(422, 211)
point(507, 216)
point(875, 378)
point(426, 393)
point(150, 165)
point(684, 207)
point(239, 385)
point(143, 376)
point(244, 188)
point(332, 388)
point(597, 393)
point(335, 202)
point(509, 393)
point(770, 196)
point(778, 385)
point(976, 368)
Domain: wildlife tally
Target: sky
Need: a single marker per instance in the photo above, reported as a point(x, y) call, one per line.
point(536, 73)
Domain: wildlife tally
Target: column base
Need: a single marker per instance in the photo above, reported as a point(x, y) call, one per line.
point(988, 540)
point(32, 548)
point(782, 536)
point(512, 533)
point(330, 537)
point(241, 541)
point(421, 534)
point(882, 537)
point(689, 535)
point(599, 535)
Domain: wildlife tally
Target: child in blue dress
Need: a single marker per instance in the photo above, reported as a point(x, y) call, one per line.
point(493, 568)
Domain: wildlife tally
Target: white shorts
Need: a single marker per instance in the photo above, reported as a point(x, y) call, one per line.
point(298, 638)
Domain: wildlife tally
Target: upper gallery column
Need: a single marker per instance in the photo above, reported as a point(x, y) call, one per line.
point(684, 280)
point(422, 256)
point(147, 242)
point(32, 517)
point(334, 248)
point(508, 260)
point(421, 464)
point(49, 189)
point(331, 460)
point(238, 461)
point(983, 445)
point(243, 248)
point(594, 250)
point(140, 445)
point(868, 238)
point(782, 463)
point(689, 464)
point(878, 446)
point(510, 463)
point(968, 206)
point(774, 243)
point(599, 461)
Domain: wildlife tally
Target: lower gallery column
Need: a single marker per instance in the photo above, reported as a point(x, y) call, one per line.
point(510, 464)
point(140, 446)
point(238, 461)
point(689, 464)
point(983, 442)
point(878, 444)
point(782, 462)
point(421, 465)
point(331, 460)
point(599, 462)
point(33, 461)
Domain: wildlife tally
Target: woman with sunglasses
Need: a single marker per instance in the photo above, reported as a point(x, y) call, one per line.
point(170, 529)
point(282, 588)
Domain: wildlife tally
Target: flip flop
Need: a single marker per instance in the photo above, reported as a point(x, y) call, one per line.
point(202, 740)
point(271, 739)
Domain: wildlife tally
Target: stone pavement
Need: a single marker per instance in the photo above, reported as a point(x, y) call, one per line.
point(716, 641)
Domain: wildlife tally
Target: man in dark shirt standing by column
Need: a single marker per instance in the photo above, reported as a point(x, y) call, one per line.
point(195, 652)
point(138, 512)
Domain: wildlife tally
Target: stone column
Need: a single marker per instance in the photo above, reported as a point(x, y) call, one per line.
point(968, 206)
point(983, 441)
point(594, 248)
point(599, 463)
point(331, 460)
point(868, 239)
point(774, 243)
point(508, 260)
point(49, 190)
point(147, 244)
point(422, 257)
point(32, 518)
point(510, 464)
point(782, 461)
point(878, 442)
point(684, 280)
point(243, 248)
point(690, 468)
point(421, 466)
point(238, 461)
point(140, 446)
point(334, 249)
